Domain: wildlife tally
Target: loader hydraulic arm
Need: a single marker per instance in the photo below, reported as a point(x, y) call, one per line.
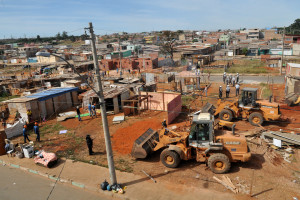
point(167, 137)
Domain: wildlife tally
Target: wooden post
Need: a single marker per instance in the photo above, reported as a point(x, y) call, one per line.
point(139, 98)
point(251, 185)
point(163, 95)
point(147, 101)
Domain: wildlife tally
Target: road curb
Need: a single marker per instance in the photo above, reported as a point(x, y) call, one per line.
point(15, 166)
point(78, 184)
point(74, 183)
point(53, 177)
point(33, 171)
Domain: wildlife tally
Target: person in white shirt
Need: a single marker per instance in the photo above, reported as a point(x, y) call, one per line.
point(237, 89)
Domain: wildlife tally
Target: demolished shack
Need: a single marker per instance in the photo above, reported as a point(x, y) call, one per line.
point(113, 98)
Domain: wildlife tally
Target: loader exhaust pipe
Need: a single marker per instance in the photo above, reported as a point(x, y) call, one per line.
point(233, 129)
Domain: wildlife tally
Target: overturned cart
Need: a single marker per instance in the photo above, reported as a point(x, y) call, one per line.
point(215, 147)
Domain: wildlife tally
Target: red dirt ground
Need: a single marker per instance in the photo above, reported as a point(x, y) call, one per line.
point(124, 138)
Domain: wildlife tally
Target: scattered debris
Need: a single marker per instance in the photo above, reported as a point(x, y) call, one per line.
point(290, 139)
point(149, 176)
point(118, 119)
point(226, 182)
point(66, 115)
point(277, 142)
point(63, 131)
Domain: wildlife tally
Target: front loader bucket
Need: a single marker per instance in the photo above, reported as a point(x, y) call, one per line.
point(208, 108)
point(145, 144)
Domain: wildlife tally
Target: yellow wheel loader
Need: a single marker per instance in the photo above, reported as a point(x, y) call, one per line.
point(248, 107)
point(205, 144)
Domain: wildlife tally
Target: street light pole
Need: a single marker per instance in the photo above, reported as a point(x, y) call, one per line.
point(109, 152)
point(282, 54)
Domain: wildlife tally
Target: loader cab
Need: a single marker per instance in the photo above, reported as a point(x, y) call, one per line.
point(201, 133)
point(249, 97)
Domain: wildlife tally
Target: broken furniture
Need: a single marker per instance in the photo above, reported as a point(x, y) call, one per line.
point(28, 151)
point(46, 159)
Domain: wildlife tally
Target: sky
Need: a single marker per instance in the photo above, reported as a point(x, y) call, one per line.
point(29, 18)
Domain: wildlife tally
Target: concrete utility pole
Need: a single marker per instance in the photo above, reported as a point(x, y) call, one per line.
point(120, 55)
point(110, 160)
point(283, 36)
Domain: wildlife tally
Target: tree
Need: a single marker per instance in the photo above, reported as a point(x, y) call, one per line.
point(72, 38)
point(195, 40)
point(83, 37)
point(38, 38)
point(168, 39)
point(58, 36)
point(294, 28)
point(64, 35)
point(244, 51)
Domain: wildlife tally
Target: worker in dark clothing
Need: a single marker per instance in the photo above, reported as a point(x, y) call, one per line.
point(89, 142)
point(25, 134)
point(78, 113)
point(164, 124)
point(220, 92)
point(37, 131)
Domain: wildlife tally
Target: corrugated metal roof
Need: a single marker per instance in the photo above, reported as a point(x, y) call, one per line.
point(53, 92)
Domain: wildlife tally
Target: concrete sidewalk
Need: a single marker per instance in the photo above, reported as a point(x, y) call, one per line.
point(89, 177)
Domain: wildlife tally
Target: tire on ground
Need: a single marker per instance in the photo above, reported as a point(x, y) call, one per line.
point(219, 163)
point(256, 119)
point(226, 115)
point(170, 158)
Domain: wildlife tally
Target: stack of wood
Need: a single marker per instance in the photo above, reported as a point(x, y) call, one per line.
point(226, 182)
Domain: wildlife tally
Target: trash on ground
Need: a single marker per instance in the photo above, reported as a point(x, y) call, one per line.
point(63, 131)
point(118, 119)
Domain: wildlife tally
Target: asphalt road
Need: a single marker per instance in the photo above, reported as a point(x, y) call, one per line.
point(18, 185)
point(252, 79)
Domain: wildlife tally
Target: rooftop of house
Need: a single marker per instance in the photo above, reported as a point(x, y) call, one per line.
point(44, 95)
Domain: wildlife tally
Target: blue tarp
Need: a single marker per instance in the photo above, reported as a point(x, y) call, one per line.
point(54, 92)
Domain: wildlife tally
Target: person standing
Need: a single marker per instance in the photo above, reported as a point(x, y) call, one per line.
point(37, 131)
point(94, 110)
point(227, 80)
point(237, 89)
point(233, 81)
point(230, 79)
point(237, 77)
point(90, 109)
point(89, 142)
point(25, 134)
point(224, 77)
point(205, 90)
point(78, 113)
point(227, 91)
point(220, 92)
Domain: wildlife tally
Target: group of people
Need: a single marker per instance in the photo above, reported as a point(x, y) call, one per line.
point(89, 140)
point(36, 131)
point(105, 73)
point(91, 109)
point(231, 79)
point(227, 90)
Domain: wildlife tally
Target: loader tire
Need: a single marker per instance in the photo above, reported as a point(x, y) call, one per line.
point(256, 119)
point(226, 115)
point(219, 163)
point(169, 158)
